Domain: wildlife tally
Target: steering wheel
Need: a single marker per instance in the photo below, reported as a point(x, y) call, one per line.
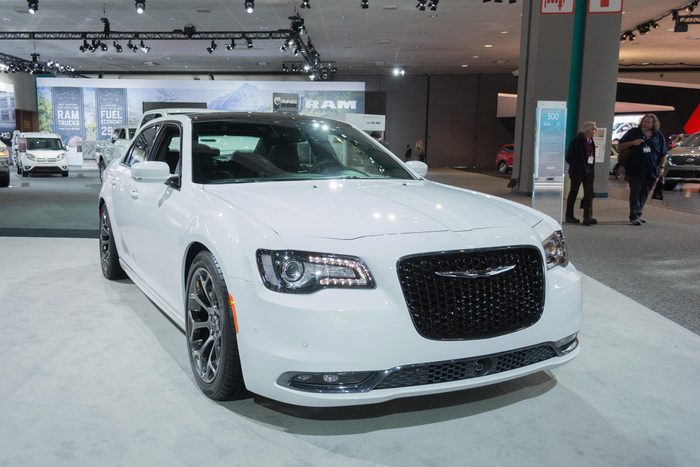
point(323, 165)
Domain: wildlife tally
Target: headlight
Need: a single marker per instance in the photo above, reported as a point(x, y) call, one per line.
point(31, 157)
point(305, 272)
point(61, 156)
point(555, 253)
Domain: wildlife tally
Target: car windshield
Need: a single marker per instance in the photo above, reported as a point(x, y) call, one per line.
point(692, 140)
point(235, 152)
point(50, 144)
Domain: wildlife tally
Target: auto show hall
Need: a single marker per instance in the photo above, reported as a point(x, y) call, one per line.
point(97, 368)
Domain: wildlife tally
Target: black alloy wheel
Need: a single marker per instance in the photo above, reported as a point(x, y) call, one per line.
point(211, 333)
point(109, 258)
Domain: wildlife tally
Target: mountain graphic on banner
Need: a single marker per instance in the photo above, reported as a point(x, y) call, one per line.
point(247, 98)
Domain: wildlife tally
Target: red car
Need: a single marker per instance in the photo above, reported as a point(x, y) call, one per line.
point(504, 159)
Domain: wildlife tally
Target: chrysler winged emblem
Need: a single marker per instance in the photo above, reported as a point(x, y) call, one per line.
point(475, 273)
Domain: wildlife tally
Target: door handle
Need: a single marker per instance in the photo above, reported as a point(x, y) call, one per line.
point(134, 194)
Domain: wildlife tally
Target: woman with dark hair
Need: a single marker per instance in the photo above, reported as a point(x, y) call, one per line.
point(645, 164)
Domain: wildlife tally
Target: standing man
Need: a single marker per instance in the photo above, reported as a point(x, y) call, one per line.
point(645, 164)
point(581, 159)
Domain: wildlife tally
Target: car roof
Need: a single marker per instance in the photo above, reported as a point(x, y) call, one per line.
point(255, 117)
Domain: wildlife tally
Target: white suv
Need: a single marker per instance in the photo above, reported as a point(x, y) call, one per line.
point(41, 153)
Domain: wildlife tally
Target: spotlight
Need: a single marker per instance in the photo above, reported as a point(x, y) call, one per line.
point(103, 46)
point(132, 47)
point(399, 71)
point(421, 5)
point(117, 47)
point(144, 48)
point(434, 3)
point(84, 46)
point(212, 47)
point(296, 51)
point(307, 67)
point(249, 5)
point(140, 6)
point(365, 4)
point(32, 6)
point(249, 43)
point(231, 46)
point(211, 77)
point(93, 46)
point(285, 68)
point(305, 4)
point(284, 47)
point(312, 77)
point(631, 36)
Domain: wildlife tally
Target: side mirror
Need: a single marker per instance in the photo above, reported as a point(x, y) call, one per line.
point(418, 167)
point(114, 140)
point(150, 172)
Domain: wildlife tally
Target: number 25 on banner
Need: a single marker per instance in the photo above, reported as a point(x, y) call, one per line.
point(556, 7)
point(605, 6)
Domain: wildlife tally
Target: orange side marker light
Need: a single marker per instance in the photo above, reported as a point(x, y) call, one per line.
point(233, 312)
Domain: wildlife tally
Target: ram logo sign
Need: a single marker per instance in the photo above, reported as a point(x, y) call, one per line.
point(328, 104)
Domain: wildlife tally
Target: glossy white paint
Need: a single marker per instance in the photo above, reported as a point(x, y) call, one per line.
point(331, 330)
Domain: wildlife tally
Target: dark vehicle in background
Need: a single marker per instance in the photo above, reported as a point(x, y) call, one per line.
point(504, 159)
point(683, 163)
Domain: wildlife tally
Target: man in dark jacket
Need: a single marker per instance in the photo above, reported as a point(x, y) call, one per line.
point(581, 159)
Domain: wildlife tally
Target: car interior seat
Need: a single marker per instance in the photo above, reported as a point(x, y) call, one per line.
point(203, 164)
point(285, 157)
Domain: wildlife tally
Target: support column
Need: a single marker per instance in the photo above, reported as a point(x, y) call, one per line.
point(547, 72)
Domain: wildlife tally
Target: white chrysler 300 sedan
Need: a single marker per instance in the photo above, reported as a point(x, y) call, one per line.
point(307, 264)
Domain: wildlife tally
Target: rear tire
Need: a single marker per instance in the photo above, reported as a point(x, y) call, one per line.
point(25, 173)
point(502, 168)
point(109, 257)
point(211, 332)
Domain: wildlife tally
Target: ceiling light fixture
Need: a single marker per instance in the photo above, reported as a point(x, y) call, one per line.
point(84, 46)
point(305, 4)
point(132, 47)
point(103, 46)
point(249, 42)
point(398, 71)
point(421, 5)
point(212, 47)
point(144, 48)
point(365, 4)
point(32, 6)
point(249, 6)
point(140, 6)
point(432, 5)
point(231, 46)
point(117, 47)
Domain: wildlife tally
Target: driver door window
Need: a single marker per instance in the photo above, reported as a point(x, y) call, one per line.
point(168, 149)
point(141, 147)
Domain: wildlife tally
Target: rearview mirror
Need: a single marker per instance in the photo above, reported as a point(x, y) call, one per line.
point(150, 172)
point(418, 167)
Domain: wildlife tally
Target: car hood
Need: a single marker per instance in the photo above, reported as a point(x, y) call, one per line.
point(347, 209)
point(45, 152)
point(685, 151)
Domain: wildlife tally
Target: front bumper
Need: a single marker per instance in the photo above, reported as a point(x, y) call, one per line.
point(44, 167)
point(370, 334)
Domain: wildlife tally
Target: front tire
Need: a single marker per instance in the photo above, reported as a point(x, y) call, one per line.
point(109, 257)
point(502, 168)
point(5, 180)
point(64, 174)
point(211, 333)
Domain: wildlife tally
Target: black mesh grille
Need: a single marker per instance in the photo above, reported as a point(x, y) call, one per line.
point(450, 308)
point(455, 370)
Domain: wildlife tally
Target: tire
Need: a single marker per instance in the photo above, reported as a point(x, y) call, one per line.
point(502, 168)
point(669, 186)
point(211, 333)
point(5, 180)
point(109, 257)
point(101, 169)
point(19, 169)
point(25, 173)
point(64, 174)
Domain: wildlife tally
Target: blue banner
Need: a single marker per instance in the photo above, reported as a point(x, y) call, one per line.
point(68, 120)
point(111, 111)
